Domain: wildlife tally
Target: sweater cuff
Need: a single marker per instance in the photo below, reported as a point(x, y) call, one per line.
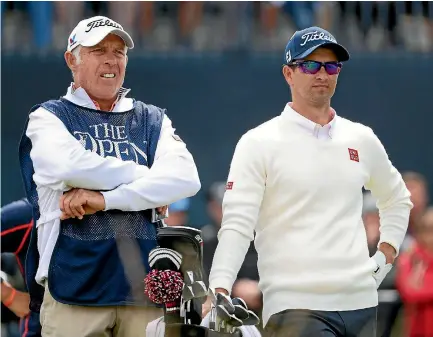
point(391, 241)
point(221, 282)
point(114, 200)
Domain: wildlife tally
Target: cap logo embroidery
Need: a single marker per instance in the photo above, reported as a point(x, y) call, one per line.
point(100, 22)
point(353, 154)
point(314, 36)
point(288, 56)
point(72, 39)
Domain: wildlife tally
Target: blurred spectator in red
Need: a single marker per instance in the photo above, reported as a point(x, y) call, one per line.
point(417, 186)
point(389, 302)
point(415, 280)
point(178, 213)
point(246, 285)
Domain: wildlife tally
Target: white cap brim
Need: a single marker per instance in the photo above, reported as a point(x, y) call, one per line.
point(96, 38)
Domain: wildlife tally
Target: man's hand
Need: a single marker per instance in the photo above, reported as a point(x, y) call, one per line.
point(205, 308)
point(162, 210)
point(389, 252)
point(17, 301)
point(78, 202)
point(20, 304)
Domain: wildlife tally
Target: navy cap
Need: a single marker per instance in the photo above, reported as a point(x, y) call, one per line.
point(305, 41)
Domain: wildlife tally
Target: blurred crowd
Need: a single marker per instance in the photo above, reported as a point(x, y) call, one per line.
point(43, 26)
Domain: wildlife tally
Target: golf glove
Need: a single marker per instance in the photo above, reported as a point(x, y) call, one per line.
point(382, 268)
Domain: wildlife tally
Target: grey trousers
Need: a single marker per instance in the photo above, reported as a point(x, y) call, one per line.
point(314, 323)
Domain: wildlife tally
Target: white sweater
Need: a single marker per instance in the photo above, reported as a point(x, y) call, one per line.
point(298, 185)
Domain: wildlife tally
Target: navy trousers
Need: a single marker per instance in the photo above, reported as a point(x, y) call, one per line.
point(315, 323)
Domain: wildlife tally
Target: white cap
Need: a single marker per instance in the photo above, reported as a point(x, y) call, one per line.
point(91, 31)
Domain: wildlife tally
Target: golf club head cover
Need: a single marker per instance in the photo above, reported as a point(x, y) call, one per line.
point(164, 283)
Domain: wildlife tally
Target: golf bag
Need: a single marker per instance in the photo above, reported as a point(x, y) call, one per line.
point(188, 243)
point(181, 250)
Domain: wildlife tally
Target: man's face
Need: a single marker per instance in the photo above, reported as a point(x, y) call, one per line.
point(101, 70)
point(316, 88)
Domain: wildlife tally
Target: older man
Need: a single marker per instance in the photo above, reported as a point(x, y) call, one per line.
point(118, 159)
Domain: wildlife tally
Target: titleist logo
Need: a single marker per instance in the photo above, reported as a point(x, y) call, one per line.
point(100, 23)
point(313, 36)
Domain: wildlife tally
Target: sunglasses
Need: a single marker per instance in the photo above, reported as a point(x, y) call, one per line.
point(313, 67)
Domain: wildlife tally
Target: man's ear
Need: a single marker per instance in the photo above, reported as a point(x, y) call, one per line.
point(288, 74)
point(71, 60)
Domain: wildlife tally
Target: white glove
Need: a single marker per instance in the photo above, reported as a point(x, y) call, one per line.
point(382, 268)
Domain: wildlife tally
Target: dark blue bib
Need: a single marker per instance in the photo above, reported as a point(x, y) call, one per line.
point(102, 259)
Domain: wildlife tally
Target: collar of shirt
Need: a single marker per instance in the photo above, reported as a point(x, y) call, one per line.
point(315, 129)
point(80, 97)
